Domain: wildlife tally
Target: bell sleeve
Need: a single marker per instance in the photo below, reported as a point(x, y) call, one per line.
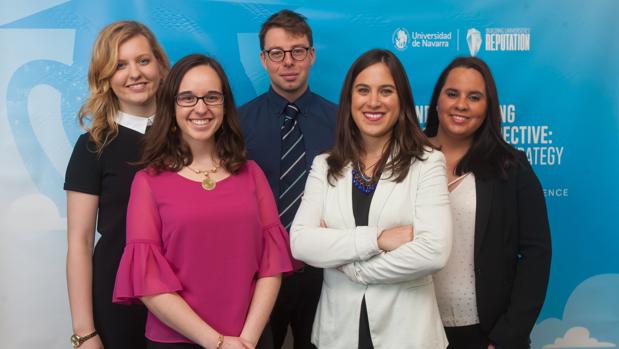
point(276, 256)
point(143, 269)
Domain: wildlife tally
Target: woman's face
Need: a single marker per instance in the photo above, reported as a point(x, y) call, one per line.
point(375, 105)
point(462, 103)
point(199, 123)
point(137, 77)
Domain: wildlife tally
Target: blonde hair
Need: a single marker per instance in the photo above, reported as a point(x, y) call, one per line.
point(102, 105)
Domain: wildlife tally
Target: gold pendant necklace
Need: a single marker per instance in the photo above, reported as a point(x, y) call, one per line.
point(207, 183)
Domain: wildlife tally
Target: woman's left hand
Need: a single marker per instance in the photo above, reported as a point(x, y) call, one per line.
point(236, 343)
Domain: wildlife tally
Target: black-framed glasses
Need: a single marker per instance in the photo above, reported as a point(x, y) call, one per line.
point(297, 53)
point(189, 100)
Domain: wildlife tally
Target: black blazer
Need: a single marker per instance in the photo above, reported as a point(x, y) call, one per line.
point(512, 255)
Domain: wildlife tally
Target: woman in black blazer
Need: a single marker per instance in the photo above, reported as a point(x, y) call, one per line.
point(493, 287)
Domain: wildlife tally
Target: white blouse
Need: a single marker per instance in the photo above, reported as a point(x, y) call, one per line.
point(455, 284)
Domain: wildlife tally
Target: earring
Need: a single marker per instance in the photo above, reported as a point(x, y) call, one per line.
point(173, 128)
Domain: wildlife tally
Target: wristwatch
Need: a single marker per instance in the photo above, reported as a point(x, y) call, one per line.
point(77, 341)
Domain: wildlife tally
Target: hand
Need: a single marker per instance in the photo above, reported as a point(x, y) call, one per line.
point(392, 238)
point(490, 346)
point(323, 224)
point(248, 344)
point(92, 343)
point(236, 343)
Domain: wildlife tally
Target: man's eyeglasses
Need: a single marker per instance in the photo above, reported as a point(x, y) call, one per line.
point(189, 100)
point(278, 55)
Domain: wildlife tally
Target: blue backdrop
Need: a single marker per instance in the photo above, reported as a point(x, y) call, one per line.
point(556, 68)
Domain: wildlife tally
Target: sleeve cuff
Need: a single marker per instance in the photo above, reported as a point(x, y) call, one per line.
point(143, 271)
point(366, 242)
point(276, 255)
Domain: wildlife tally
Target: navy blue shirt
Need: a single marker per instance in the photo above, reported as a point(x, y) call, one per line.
point(261, 120)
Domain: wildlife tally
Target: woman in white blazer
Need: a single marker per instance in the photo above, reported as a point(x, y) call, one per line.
point(375, 215)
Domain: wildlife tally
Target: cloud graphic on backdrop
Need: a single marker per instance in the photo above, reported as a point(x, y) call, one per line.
point(33, 213)
point(590, 318)
point(578, 337)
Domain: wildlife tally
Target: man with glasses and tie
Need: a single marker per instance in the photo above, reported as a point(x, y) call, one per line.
point(304, 124)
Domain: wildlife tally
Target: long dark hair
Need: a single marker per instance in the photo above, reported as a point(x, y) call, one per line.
point(164, 147)
point(489, 154)
point(407, 140)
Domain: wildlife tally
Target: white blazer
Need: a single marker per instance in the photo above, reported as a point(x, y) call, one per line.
point(397, 285)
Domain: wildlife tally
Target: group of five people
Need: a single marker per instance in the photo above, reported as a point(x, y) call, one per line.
point(387, 237)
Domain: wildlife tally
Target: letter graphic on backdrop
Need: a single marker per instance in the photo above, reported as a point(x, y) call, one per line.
point(559, 105)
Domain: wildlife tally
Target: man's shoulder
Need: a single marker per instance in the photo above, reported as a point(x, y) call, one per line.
point(257, 102)
point(326, 104)
point(324, 111)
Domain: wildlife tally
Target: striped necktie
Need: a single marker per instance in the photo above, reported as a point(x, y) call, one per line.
point(292, 166)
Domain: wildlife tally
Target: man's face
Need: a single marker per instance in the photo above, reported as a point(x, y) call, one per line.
point(288, 77)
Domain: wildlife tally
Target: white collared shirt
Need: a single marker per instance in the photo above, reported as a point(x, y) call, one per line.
point(134, 122)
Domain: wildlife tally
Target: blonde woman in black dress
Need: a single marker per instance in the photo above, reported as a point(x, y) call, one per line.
point(125, 72)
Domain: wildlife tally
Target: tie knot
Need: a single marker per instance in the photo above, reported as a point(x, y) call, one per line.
point(291, 111)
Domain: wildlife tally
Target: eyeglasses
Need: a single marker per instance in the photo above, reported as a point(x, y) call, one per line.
point(189, 100)
point(278, 55)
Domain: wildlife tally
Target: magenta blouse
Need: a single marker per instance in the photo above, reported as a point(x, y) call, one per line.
point(210, 247)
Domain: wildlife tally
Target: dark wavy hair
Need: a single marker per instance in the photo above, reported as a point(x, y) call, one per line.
point(164, 148)
point(489, 154)
point(407, 140)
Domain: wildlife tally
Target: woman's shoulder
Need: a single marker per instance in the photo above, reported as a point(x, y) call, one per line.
point(145, 175)
point(251, 165)
point(522, 166)
point(85, 143)
point(251, 168)
point(85, 154)
point(84, 138)
point(150, 174)
point(320, 164)
point(430, 157)
point(433, 154)
point(321, 159)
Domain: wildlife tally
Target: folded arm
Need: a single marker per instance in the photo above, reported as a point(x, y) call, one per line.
point(326, 247)
point(430, 248)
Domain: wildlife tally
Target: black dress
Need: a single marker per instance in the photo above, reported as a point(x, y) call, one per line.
point(109, 176)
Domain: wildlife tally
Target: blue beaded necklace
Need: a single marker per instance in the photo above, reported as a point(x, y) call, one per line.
point(362, 182)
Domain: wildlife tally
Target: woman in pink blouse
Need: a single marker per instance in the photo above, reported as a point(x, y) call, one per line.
point(205, 248)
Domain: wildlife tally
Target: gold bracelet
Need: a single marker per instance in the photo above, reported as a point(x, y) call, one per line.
point(220, 341)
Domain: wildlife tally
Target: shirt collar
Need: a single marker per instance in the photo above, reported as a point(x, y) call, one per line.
point(134, 122)
point(277, 103)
